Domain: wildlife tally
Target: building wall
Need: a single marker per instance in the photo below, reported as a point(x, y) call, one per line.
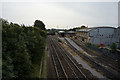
point(116, 37)
point(101, 36)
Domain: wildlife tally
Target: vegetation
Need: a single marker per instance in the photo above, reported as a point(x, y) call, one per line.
point(82, 27)
point(59, 40)
point(51, 31)
point(89, 44)
point(22, 49)
point(39, 24)
point(113, 47)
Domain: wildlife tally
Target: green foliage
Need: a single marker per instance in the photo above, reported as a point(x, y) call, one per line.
point(59, 40)
point(39, 24)
point(97, 46)
point(83, 27)
point(113, 47)
point(89, 44)
point(22, 47)
point(51, 31)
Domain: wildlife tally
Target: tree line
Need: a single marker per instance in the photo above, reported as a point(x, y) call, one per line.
point(22, 49)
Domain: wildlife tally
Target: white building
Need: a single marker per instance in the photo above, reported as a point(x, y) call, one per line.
point(116, 37)
point(100, 35)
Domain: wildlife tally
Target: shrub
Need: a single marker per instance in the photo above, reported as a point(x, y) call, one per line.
point(59, 40)
point(89, 44)
point(113, 48)
point(22, 47)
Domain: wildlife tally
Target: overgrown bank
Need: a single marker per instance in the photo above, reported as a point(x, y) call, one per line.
point(22, 49)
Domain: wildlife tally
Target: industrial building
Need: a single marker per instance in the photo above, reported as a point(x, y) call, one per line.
point(100, 35)
point(116, 37)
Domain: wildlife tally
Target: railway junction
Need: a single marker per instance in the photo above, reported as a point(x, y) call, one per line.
point(69, 58)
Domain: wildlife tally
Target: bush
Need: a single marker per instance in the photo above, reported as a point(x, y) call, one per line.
point(59, 40)
point(22, 47)
point(113, 48)
point(97, 46)
point(89, 44)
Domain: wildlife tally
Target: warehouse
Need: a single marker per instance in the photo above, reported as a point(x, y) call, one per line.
point(99, 35)
point(116, 37)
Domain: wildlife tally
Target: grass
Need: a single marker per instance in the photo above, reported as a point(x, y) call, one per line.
point(36, 72)
point(43, 73)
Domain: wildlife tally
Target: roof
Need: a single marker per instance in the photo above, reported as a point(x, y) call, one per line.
point(88, 29)
point(70, 32)
point(102, 27)
point(61, 31)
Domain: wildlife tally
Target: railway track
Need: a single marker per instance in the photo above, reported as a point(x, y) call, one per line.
point(78, 73)
point(99, 66)
point(52, 66)
point(64, 61)
point(72, 64)
point(114, 64)
point(104, 59)
point(60, 72)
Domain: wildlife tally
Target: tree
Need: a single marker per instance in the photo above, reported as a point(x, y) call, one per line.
point(39, 24)
point(83, 26)
point(113, 48)
point(16, 59)
point(22, 48)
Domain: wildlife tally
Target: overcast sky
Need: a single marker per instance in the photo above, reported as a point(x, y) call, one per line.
point(61, 14)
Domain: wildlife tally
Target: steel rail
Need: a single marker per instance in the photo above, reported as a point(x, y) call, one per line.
point(59, 61)
point(113, 67)
point(73, 62)
point(103, 58)
point(69, 65)
point(53, 61)
point(94, 62)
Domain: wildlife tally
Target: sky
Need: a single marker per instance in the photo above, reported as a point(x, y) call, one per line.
point(61, 14)
point(119, 13)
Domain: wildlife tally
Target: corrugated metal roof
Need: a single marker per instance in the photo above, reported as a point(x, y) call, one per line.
point(102, 27)
point(61, 31)
point(88, 29)
point(70, 32)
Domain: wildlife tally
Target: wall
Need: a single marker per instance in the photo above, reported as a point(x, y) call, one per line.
point(101, 35)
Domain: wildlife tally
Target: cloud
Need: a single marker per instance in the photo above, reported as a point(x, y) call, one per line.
point(61, 14)
point(59, 0)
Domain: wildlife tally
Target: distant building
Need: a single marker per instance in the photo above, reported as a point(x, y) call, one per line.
point(116, 37)
point(100, 35)
point(82, 33)
point(70, 33)
point(61, 33)
point(67, 33)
